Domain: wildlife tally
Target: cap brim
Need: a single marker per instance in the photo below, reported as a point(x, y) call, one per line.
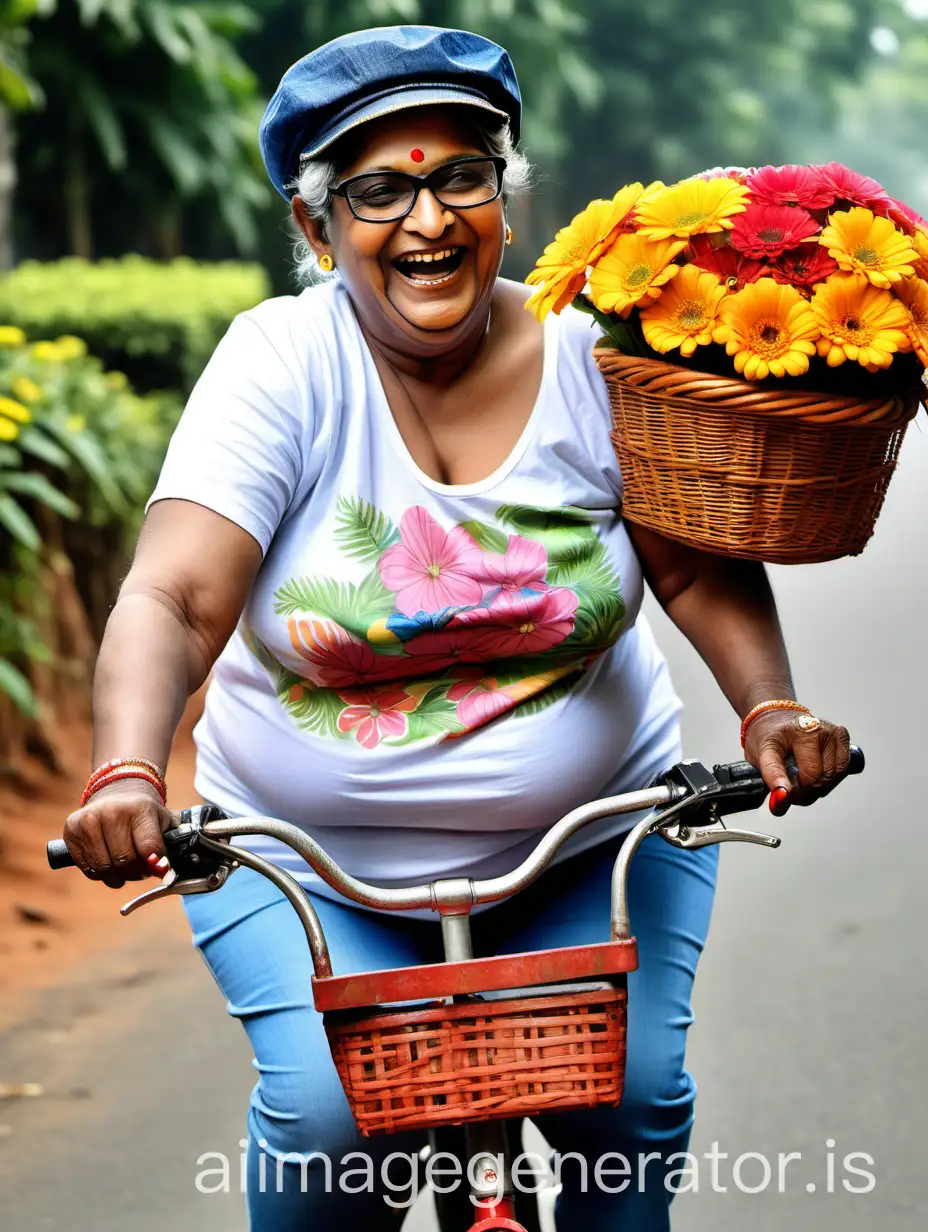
point(398, 100)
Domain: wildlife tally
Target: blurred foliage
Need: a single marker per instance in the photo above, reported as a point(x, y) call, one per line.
point(883, 117)
point(159, 323)
point(148, 108)
point(18, 90)
point(79, 454)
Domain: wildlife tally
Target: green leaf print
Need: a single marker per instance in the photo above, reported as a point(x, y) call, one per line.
point(355, 608)
point(363, 532)
point(315, 709)
point(601, 609)
point(488, 537)
point(434, 716)
point(557, 529)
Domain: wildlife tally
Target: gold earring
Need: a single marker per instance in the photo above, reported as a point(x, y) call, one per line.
point(508, 236)
point(326, 263)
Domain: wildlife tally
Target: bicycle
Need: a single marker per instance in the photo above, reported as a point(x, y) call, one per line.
point(474, 1042)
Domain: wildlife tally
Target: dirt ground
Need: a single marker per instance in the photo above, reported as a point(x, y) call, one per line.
point(51, 922)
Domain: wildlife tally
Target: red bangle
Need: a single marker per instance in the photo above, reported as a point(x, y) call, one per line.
point(119, 763)
point(776, 703)
point(116, 776)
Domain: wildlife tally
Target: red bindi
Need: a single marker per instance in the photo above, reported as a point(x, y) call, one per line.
point(416, 155)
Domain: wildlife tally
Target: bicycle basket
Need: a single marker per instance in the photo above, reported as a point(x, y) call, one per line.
point(482, 1057)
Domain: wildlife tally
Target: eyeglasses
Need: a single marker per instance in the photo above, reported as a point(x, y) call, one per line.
point(388, 196)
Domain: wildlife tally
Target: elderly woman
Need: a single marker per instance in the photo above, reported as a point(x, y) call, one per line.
point(389, 524)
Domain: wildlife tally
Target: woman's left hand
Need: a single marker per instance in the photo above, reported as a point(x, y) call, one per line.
point(821, 755)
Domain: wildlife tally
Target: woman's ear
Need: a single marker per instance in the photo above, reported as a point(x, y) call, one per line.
point(311, 227)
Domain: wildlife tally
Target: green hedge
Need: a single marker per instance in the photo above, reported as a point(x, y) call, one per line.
point(158, 322)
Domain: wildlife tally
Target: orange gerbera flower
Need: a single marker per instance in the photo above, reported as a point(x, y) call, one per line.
point(769, 329)
point(859, 321)
point(913, 292)
point(692, 207)
point(632, 270)
point(920, 241)
point(864, 244)
point(560, 272)
point(686, 313)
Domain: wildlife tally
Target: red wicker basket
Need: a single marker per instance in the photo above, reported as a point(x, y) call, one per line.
point(480, 1060)
point(785, 476)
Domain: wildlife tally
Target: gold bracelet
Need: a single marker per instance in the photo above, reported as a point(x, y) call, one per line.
point(777, 703)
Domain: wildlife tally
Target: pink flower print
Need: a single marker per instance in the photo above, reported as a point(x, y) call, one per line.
point(524, 564)
point(521, 624)
point(374, 716)
point(479, 701)
point(338, 659)
point(450, 645)
point(431, 568)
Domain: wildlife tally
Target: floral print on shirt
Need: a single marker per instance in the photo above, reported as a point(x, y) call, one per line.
point(450, 628)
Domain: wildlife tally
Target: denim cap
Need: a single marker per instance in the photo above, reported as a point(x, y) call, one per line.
point(371, 73)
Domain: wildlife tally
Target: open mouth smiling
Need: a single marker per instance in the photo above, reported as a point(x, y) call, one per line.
point(430, 268)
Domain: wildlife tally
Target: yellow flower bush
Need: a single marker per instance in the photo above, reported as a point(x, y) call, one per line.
point(787, 269)
point(12, 416)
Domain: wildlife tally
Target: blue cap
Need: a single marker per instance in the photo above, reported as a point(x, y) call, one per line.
point(370, 73)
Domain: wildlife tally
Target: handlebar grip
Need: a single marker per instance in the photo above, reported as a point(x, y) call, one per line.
point(856, 765)
point(58, 854)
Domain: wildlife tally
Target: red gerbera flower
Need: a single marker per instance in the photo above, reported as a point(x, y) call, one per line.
point(768, 230)
point(851, 186)
point(791, 185)
point(803, 267)
point(904, 217)
point(729, 266)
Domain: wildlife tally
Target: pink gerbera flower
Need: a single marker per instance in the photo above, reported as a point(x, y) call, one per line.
point(768, 230)
point(524, 564)
point(803, 267)
point(791, 185)
point(479, 701)
point(728, 265)
point(851, 186)
point(431, 568)
point(375, 715)
point(338, 659)
point(519, 624)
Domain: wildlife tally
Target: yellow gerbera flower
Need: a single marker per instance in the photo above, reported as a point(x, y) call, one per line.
point(913, 292)
point(859, 321)
point(686, 313)
point(11, 336)
point(631, 270)
point(12, 414)
point(25, 389)
point(769, 328)
point(692, 207)
point(561, 269)
point(863, 244)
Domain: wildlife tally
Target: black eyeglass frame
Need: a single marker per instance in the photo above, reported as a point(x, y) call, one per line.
point(418, 182)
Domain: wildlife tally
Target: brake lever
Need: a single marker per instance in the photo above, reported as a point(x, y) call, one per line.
point(710, 793)
point(690, 837)
point(194, 869)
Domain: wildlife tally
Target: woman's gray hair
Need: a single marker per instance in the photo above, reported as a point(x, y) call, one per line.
point(318, 177)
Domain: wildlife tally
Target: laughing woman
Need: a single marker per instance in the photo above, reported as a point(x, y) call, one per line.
point(389, 524)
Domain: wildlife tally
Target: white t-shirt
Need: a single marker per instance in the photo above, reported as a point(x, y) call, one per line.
point(425, 676)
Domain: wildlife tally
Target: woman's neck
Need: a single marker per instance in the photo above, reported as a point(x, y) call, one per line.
point(441, 369)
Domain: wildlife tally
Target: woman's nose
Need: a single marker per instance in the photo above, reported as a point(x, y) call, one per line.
point(428, 216)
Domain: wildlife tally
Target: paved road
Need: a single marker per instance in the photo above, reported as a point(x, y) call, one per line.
point(811, 1001)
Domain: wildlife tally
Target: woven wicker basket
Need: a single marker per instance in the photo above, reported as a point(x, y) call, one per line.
point(428, 1065)
point(785, 476)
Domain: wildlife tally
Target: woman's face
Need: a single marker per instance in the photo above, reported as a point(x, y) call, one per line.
point(408, 304)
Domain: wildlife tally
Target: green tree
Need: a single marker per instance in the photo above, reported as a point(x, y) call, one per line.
point(18, 92)
point(149, 109)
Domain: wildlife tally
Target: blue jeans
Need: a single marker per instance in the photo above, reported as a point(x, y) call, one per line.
point(256, 950)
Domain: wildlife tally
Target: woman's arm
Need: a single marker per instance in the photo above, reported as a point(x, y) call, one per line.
point(192, 572)
point(726, 609)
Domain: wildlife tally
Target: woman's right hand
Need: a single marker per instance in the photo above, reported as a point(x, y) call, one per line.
point(116, 836)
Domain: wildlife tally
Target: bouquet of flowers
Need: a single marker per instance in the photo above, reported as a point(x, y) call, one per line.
point(778, 264)
point(773, 283)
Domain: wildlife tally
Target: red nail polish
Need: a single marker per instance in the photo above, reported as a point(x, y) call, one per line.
point(777, 797)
